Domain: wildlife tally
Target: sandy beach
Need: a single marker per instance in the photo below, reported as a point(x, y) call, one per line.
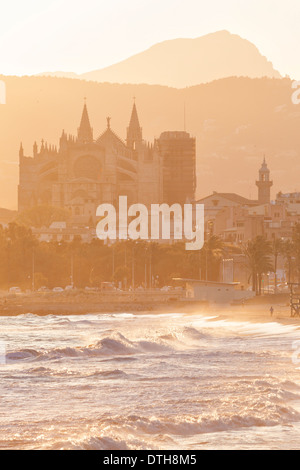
point(256, 310)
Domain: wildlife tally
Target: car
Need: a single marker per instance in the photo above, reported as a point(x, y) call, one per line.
point(285, 289)
point(69, 288)
point(43, 289)
point(15, 290)
point(107, 286)
point(57, 289)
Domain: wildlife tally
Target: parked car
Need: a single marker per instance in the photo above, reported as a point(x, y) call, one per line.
point(43, 289)
point(15, 290)
point(166, 288)
point(57, 289)
point(107, 286)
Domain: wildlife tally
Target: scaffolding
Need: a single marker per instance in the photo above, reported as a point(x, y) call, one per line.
point(295, 299)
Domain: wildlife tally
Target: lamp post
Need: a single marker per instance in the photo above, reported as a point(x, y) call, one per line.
point(132, 267)
point(72, 271)
point(33, 271)
point(113, 261)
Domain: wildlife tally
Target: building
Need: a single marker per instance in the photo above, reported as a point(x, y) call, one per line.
point(178, 151)
point(227, 211)
point(264, 184)
point(288, 198)
point(62, 232)
point(236, 219)
point(291, 202)
point(215, 292)
point(84, 172)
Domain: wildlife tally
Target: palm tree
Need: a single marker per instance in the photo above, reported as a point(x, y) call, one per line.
point(277, 248)
point(212, 253)
point(258, 255)
point(288, 250)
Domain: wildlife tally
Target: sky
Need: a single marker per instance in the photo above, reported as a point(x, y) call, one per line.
point(80, 36)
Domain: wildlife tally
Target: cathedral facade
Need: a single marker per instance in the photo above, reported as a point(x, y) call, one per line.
point(85, 172)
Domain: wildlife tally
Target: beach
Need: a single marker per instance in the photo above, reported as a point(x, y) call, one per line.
point(253, 310)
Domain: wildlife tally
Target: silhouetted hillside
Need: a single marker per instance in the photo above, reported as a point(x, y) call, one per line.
point(187, 62)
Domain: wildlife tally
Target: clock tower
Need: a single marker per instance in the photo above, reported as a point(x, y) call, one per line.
point(264, 184)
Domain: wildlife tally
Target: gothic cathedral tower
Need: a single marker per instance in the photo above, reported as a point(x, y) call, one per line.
point(134, 131)
point(264, 184)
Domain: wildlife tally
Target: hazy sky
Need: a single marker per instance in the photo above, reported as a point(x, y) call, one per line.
point(83, 35)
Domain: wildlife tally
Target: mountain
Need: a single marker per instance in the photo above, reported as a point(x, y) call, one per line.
point(235, 120)
point(186, 62)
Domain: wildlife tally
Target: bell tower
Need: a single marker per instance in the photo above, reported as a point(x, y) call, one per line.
point(264, 184)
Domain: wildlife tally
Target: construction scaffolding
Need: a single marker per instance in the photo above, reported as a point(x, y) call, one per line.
point(295, 299)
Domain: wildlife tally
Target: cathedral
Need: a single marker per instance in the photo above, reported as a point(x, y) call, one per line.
point(85, 172)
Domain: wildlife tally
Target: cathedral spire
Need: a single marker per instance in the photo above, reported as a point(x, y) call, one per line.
point(85, 132)
point(35, 149)
point(21, 151)
point(134, 131)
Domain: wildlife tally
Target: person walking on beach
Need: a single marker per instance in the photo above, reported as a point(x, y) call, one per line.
point(271, 311)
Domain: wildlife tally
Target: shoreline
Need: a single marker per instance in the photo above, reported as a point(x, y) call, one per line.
point(255, 310)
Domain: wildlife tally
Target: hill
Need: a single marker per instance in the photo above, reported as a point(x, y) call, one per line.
point(186, 62)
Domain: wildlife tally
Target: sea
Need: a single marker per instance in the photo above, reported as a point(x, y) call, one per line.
point(148, 381)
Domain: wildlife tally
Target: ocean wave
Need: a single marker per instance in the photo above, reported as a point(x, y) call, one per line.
point(22, 354)
point(100, 443)
point(113, 345)
point(269, 416)
point(193, 333)
point(27, 316)
point(109, 374)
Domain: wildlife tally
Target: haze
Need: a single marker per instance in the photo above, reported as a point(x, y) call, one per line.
point(74, 36)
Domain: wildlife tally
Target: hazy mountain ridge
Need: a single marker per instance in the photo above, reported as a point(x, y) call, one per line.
point(186, 62)
point(235, 121)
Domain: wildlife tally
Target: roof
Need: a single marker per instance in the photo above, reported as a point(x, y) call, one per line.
point(232, 197)
point(110, 134)
point(198, 281)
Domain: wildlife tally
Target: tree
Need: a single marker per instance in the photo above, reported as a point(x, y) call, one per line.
point(211, 255)
point(258, 255)
point(277, 249)
point(288, 249)
point(42, 216)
